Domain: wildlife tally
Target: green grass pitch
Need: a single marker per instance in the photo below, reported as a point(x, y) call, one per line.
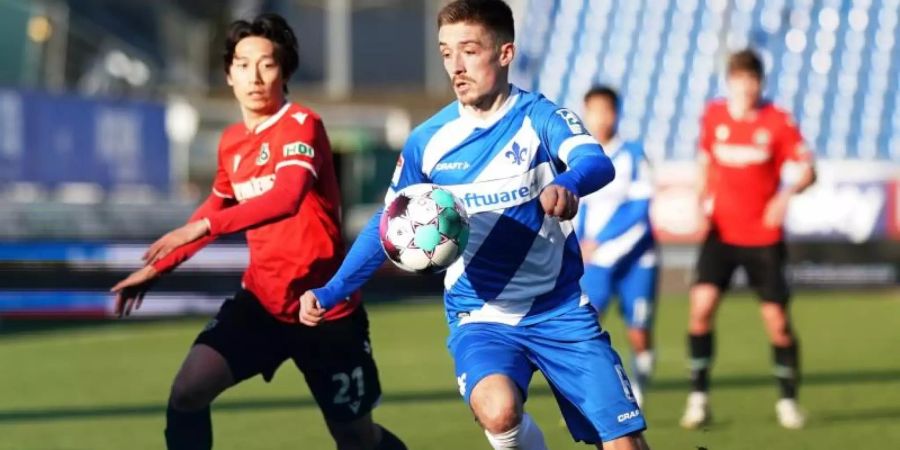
point(104, 386)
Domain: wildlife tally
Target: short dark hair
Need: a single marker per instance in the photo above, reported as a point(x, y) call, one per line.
point(747, 61)
point(272, 27)
point(494, 15)
point(603, 91)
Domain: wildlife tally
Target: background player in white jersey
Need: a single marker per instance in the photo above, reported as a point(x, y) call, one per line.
point(513, 300)
point(613, 226)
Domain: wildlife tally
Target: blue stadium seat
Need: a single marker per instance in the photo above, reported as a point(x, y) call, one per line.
point(834, 63)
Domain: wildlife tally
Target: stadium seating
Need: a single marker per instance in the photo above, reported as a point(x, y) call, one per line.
point(833, 63)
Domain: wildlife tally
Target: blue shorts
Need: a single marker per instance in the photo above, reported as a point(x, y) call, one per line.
point(634, 285)
point(576, 358)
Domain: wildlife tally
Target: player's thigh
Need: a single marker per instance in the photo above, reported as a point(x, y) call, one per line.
point(716, 263)
point(596, 283)
point(203, 375)
point(337, 362)
point(243, 336)
point(765, 267)
point(481, 350)
point(636, 290)
point(587, 375)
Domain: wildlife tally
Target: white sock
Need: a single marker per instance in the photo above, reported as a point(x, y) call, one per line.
point(524, 436)
point(643, 366)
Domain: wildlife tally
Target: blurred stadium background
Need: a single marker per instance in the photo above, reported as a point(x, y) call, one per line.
point(110, 112)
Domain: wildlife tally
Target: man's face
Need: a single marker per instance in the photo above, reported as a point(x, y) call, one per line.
point(600, 117)
point(744, 89)
point(255, 76)
point(476, 65)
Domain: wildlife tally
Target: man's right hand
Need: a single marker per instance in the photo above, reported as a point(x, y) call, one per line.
point(311, 313)
point(130, 291)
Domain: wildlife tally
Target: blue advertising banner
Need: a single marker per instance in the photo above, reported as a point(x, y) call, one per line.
point(52, 139)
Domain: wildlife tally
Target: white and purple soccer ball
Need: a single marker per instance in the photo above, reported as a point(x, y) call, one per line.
point(424, 229)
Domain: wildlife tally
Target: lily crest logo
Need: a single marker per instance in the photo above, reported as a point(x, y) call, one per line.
point(517, 154)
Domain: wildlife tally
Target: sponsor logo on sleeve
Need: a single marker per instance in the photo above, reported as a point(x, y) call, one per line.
point(397, 171)
point(572, 121)
point(299, 148)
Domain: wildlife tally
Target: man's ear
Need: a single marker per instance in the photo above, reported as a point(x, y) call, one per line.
point(507, 53)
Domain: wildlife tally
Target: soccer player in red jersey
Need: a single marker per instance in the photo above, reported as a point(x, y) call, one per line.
point(744, 142)
point(276, 181)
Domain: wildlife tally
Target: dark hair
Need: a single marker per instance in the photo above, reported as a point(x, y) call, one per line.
point(747, 61)
point(272, 27)
point(494, 15)
point(604, 92)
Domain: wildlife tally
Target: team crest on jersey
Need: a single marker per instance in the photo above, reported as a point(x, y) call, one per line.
point(299, 148)
point(762, 137)
point(517, 154)
point(722, 132)
point(263, 154)
point(572, 121)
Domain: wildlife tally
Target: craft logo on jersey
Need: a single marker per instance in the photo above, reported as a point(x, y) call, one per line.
point(455, 165)
point(299, 148)
point(572, 120)
point(517, 154)
point(263, 154)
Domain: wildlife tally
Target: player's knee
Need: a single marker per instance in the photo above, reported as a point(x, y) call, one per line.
point(186, 396)
point(499, 418)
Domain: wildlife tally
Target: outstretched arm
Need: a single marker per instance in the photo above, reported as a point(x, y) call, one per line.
point(282, 200)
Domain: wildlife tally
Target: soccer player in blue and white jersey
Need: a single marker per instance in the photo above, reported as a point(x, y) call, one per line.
point(613, 226)
point(513, 301)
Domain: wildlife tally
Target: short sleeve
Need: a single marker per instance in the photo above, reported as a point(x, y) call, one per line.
point(302, 143)
point(790, 145)
point(562, 132)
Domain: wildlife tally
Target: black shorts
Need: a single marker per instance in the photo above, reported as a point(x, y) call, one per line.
point(763, 264)
point(334, 357)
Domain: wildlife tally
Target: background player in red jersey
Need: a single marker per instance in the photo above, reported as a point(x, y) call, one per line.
point(744, 142)
point(275, 179)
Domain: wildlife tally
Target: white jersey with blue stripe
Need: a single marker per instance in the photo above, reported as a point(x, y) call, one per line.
point(617, 216)
point(520, 266)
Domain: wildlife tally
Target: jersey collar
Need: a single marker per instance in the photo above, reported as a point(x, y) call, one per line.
point(271, 120)
point(496, 116)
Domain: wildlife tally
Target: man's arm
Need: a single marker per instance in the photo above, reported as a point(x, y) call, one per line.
point(366, 254)
point(283, 200)
point(790, 146)
point(364, 258)
point(215, 202)
point(587, 166)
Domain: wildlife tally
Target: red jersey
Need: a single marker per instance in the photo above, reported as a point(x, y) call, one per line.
point(293, 248)
point(745, 159)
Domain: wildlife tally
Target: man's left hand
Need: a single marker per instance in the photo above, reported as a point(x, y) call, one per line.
point(558, 201)
point(776, 210)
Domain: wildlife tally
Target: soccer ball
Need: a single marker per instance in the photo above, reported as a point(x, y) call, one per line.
point(424, 229)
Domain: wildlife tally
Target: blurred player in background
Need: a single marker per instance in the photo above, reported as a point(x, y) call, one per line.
point(617, 244)
point(744, 142)
point(276, 181)
point(513, 300)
